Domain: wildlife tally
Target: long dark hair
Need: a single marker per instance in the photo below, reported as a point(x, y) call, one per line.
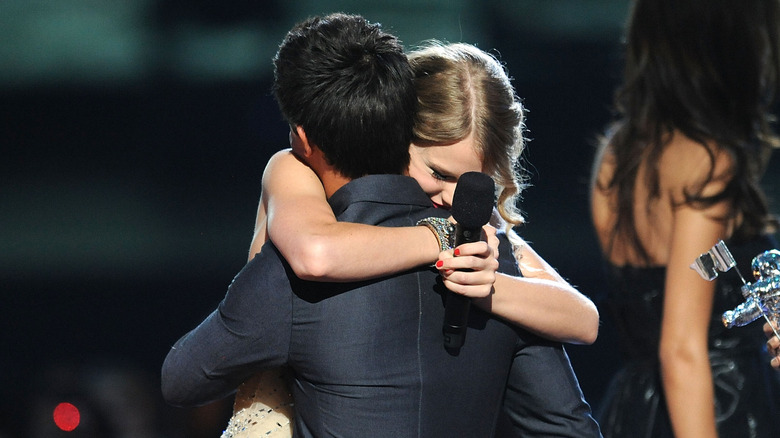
point(708, 69)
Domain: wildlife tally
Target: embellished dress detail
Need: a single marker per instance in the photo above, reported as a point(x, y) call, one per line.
point(747, 389)
point(263, 407)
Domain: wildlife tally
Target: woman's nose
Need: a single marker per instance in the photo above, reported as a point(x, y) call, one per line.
point(436, 199)
point(446, 195)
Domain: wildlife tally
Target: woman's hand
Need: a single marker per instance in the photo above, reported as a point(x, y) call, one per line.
point(772, 345)
point(470, 269)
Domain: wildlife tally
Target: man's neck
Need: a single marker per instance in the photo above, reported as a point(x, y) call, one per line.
point(332, 181)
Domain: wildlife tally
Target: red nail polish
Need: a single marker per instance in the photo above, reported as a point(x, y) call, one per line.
point(439, 264)
point(457, 251)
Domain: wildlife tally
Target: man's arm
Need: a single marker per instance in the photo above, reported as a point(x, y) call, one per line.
point(543, 397)
point(189, 376)
point(249, 331)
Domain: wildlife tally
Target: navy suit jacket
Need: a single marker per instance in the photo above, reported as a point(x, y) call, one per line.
point(368, 356)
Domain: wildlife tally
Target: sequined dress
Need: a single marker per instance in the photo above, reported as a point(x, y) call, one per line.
point(263, 407)
point(747, 389)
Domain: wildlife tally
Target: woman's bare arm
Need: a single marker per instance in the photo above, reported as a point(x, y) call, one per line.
point(683, 352)
point(300, 222)
point(685, 365)
point(545, 303)
point(297, 218)
point(541, 301)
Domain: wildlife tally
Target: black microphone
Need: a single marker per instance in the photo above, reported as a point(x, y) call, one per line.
point(472, 206)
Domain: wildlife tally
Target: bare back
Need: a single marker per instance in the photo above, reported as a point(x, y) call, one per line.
point(683, 165)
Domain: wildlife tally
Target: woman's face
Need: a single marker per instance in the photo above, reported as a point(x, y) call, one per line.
point(437, 168)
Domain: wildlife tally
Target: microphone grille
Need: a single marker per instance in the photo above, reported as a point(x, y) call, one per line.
point(472, 202)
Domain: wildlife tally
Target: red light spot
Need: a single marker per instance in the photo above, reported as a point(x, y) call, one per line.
point(66, 416)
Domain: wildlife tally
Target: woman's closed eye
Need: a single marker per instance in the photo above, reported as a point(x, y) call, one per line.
point(441, 176)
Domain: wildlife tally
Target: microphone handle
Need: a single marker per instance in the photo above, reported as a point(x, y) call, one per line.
point(456, 316)
point(456, 306)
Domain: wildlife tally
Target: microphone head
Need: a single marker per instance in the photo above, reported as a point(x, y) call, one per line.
point(472, 202)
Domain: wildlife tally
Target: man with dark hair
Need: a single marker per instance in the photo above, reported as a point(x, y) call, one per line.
point(350, 87)
point(367, 356)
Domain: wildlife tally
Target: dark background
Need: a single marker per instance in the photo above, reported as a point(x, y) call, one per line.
point(134, 137)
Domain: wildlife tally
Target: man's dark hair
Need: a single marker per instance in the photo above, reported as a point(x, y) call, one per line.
point(350, 86)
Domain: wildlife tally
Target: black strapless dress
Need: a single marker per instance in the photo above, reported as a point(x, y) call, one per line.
point(747, 389)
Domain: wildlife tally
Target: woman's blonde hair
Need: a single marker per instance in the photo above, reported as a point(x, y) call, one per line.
point(463, 90)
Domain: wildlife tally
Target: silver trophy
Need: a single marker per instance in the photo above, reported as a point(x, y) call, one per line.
point(762, 298)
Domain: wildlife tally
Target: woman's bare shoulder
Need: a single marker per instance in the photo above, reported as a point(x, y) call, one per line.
point(282, 159)
point(285, 168)
point(686, 164)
